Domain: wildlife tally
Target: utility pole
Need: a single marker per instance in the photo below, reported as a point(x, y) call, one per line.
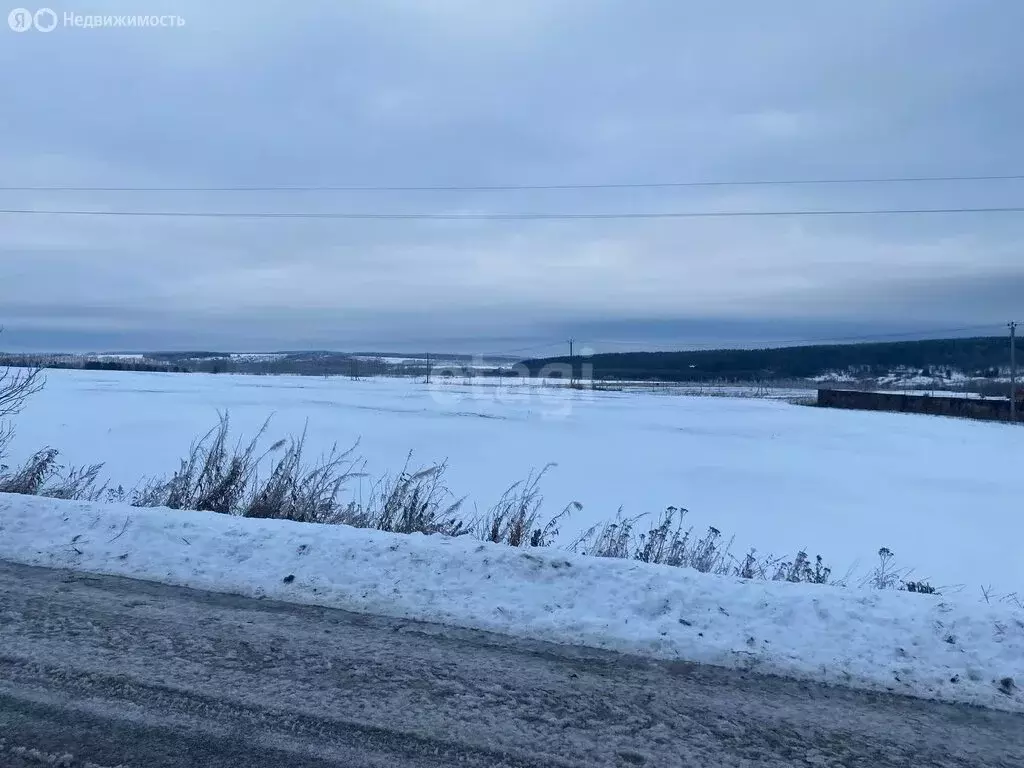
point(572, 364)
point(1013, 371)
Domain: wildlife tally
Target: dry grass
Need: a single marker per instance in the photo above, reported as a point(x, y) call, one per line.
point(413, 501)
point(281, 482)
point(516, 519)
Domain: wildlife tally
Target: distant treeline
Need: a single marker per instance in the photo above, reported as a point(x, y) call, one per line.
point(301, 363)
point(80, 364)
point(294, 363)
point(983, 357)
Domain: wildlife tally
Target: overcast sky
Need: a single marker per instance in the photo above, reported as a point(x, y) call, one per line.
point(493, 92)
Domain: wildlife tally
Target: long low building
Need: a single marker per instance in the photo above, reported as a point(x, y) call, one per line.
point(953, 404)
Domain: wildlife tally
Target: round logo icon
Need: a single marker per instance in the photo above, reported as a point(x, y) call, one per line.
point(45, 19)
point(20, 19)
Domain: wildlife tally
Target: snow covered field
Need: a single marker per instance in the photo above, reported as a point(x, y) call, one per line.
point(924, 645)
point(942, 494)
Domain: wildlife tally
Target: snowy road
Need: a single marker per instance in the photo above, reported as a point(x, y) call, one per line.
point(119, 672)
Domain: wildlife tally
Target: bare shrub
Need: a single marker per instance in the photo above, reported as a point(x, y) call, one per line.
point(665, 543)
point(77, 483)
point(16, 386)
point(215, 477)
point(411, 502)
point(212, 478)
point(41, 474)
point(886, 575)
point(6, 436)
point(709, 554)
point(293, 491)
point(33, 474)
point(800, 570)
point(608, 539)
point(764, 568)
point(515, 519)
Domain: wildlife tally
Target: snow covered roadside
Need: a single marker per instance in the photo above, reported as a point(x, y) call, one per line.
point(907, 643)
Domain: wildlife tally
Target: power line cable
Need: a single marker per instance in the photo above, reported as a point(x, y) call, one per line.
point(512, 216)
point(523, 187)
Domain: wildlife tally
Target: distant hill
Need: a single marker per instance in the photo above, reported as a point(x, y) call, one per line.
point(449, 357)
point(179, 356)
point(982, 356)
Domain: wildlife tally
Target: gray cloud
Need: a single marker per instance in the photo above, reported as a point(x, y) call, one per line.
point(462, 92)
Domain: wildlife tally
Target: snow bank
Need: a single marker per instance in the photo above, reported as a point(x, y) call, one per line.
point(915, 644)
